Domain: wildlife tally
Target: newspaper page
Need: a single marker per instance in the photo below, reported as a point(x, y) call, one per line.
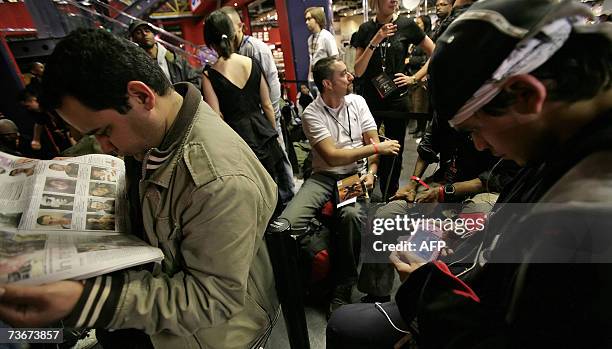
point(51, 209)
point(41, 258)
point(77, 194)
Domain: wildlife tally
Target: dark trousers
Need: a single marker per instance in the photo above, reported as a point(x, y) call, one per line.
point(346, 232)
point(390, 167)
point(363, 325)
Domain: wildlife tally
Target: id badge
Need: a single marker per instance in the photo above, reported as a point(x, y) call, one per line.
point(384, 85)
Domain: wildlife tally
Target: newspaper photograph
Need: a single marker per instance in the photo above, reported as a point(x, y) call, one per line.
point(63, 219)
point(63, 194)
point(41, 258)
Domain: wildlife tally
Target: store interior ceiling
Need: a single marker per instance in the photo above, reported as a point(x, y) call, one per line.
point(263, 12)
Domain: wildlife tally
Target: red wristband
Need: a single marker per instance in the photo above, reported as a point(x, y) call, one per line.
point(375, 148)
point(441, 194)
point(420, 181)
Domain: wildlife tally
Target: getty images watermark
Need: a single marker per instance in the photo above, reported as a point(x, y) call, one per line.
point(571, 232)
point(407, 227)
point(425, 231)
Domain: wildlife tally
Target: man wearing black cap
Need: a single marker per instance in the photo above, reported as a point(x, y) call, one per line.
point(174, 67)
point(542, 97)
point(9, 137)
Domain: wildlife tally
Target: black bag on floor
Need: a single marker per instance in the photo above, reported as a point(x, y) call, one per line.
point(314, 262)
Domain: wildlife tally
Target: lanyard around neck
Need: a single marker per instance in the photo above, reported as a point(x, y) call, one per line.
point(315, 43)
point(348, 131)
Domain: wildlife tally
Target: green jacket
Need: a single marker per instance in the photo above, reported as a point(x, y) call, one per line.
point(207, 208)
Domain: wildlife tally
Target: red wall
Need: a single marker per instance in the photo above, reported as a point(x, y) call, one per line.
point(15, 15)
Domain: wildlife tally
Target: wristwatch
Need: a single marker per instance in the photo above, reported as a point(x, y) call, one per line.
point(372, 47)
point(449, 192)
point(373, 175)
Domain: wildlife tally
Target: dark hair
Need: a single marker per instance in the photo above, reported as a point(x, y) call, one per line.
point(426, 23)
point(33, 65)
point(580, 70)
point(40, 219)
point(94, 66)
point(219, 32)
point(322, 70)
point(25, 95)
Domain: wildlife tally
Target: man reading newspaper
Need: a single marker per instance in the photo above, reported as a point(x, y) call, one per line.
point(196, 191)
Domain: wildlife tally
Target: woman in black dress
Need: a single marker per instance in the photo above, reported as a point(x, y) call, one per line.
point(236, 89)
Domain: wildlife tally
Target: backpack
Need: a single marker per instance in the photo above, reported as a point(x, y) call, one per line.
point(313, 261)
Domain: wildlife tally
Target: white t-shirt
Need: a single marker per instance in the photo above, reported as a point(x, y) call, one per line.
point(320, 121)
point(321, 45)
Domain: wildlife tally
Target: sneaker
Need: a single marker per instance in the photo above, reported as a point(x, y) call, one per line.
point(375, 299)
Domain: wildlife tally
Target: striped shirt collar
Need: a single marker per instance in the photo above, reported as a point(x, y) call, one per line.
point(158, 156)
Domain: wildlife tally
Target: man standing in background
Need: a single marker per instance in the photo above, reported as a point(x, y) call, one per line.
point(321, 43)
point(176, 68)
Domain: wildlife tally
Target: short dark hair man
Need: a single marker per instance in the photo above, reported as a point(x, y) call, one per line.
point(344, 138)
point(175, 67)
point(456, 8)
point(443, 9)
point(195, 189)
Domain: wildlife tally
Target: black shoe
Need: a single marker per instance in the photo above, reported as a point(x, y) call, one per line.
point(341, 296)
point(335, 304)
point(375, 299)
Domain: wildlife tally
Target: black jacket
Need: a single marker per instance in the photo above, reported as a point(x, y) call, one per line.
point(515, 297)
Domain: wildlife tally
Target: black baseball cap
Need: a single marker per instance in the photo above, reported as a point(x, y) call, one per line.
point(477, 42)
point(135, 24)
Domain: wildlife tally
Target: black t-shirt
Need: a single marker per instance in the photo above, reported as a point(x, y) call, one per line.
point(407, 33)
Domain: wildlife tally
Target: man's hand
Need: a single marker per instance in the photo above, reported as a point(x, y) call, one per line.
point(407, 192)
point(390, 147)
point(35, 145)
point(405, 263)
point(429, 195)
point(38, 306)
point(368, 180)
point(402, 80)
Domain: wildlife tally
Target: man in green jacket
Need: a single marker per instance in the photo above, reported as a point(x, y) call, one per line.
point(196, 191)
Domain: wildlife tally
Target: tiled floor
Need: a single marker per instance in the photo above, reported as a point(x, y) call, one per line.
point(315, 317)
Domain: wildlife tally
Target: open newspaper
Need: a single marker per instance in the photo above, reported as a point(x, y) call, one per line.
point(63, 219)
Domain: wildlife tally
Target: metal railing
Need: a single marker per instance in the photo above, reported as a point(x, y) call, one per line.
point(93, 18)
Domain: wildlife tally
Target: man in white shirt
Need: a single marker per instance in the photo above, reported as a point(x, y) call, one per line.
point(258, 50)
point(344, 140)
point(321, 43)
